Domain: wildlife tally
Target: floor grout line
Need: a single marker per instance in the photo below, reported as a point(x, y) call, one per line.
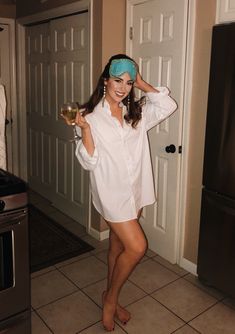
point(203, 288)
point(147, 294)
point(56, 300)
point(80, 331)
point(44, 322)
point(207, 309)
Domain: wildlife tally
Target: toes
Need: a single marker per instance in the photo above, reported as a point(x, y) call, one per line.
point(108, 330)
point(123, 315)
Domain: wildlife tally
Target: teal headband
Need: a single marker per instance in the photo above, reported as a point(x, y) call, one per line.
point(121, 66)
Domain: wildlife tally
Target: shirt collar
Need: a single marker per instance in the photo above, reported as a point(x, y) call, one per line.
point(106, 107)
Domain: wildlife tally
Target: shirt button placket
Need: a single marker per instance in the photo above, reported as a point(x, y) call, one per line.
point(130, 170)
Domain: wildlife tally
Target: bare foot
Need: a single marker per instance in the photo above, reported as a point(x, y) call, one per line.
point(108, 315)
point(121, 313)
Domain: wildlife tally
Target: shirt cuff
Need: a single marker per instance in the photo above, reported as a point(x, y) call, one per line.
point(88, 161)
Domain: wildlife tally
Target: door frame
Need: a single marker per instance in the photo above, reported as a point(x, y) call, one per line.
point(185, 125)
point(72, 8)
point(14, 112)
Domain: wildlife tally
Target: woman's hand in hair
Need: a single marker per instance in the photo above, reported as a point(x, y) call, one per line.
point(138, 81)
point(143, 85)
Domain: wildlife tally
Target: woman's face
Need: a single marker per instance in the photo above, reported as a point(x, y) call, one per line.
point(117, 88)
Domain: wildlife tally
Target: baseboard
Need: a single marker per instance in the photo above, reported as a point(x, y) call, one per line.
point(189, 266)
point(99, 235)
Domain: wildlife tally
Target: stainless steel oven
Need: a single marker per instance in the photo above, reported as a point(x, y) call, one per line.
point(14, 256)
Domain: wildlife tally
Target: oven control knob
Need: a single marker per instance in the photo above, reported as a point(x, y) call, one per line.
point(2, 205)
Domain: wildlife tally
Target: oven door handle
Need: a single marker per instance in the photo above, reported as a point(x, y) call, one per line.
point(15, 220)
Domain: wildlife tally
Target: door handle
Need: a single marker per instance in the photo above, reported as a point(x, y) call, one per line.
point(170, 149)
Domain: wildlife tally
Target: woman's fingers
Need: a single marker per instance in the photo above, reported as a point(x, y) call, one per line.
point(66, 119)
point(81, 121)
point(138, 80)
point(78, 117)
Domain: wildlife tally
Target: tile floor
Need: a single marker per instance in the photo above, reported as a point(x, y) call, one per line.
point(162, 298)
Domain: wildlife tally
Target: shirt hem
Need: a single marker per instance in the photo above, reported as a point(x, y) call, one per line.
point(123, 220)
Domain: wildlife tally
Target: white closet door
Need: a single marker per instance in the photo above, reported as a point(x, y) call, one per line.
point(70, 74)
point(58, 71)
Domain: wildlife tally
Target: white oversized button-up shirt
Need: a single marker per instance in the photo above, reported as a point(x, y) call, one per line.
point(120, 169)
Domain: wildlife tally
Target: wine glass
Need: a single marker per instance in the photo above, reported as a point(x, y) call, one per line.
point(69, 112)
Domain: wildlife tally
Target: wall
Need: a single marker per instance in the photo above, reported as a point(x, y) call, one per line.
point(109, 32)
point(114, 28)
point(205, 19)
point(26, 7)
point(7, 9)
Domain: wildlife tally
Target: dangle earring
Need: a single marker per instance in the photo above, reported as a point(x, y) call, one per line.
point(128, 103)
point(104, 94)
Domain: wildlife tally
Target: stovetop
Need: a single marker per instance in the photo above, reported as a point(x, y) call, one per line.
point(11, 184)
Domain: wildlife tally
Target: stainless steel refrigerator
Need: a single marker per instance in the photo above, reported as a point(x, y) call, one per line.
point(216, 255)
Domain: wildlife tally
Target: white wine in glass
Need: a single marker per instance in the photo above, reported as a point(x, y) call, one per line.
point(69, 112)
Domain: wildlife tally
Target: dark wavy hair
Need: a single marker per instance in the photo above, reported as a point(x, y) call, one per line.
point(134, 110)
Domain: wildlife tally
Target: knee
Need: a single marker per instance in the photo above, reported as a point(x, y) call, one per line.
point(138, 249)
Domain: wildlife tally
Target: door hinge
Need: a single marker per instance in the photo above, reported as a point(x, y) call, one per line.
point(180, 149)
point(131, 33)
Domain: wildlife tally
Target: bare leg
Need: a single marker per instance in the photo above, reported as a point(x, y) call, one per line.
point(134, 244)
point(115, 249)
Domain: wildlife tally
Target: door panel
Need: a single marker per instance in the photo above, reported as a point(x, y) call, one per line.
point(158, 45)
point(39, 108)
point(58, 72)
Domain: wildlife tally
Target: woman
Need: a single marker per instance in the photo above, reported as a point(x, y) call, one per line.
point(114, 148)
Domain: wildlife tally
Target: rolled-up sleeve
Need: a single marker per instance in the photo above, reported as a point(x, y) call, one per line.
point(87, 161)
point(158, 107)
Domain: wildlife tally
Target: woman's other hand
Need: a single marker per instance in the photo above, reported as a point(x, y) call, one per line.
point(81, 121)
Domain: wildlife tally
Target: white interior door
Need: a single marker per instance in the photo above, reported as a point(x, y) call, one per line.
point(70, 77)
point(58, 71)
point(158, 44)
point(5, 79)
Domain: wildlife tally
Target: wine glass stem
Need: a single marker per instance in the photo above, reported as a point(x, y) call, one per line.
point(76, 136)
